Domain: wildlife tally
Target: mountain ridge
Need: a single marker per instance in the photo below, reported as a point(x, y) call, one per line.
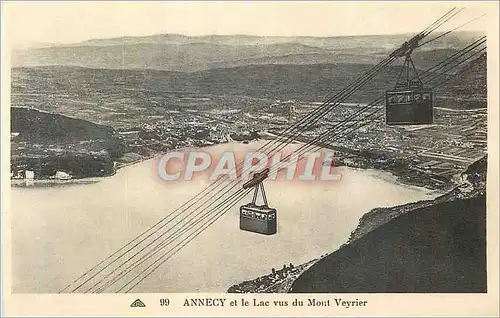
point(189, 54)
point(171, 37)
point(310, 82)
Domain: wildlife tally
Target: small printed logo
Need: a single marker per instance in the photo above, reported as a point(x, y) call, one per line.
point(138, 303)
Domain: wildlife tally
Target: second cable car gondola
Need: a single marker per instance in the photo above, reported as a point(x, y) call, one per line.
point(258, 218)
point(409, 102)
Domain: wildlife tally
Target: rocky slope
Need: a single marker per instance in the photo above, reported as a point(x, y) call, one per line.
point(472, 183)
point(430, 246)
point(436, 249)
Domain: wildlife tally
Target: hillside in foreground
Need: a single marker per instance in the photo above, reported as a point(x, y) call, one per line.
point(438, 249)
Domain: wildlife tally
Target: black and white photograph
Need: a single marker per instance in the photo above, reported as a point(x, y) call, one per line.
point(264, 148)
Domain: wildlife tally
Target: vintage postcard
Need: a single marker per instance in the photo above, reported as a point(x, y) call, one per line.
point(250, 158)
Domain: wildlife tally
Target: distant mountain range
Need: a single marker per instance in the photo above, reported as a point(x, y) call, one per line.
point(301, 82)
point(181, 53)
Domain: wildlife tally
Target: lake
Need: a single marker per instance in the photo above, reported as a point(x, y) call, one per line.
point(61, 232)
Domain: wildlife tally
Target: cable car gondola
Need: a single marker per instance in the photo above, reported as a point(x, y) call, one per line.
point(409, 103)
point(258, 218)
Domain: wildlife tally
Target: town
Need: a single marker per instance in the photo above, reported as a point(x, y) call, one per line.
point(151, 121)
point(428, 156)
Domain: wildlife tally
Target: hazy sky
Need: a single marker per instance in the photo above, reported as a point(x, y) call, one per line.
point(59, 22)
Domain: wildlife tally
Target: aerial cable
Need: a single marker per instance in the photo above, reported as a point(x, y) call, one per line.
point(455, 57)
point(448, 32)
point(185, 242)
point(433, 24)
point(233, 200)
point(459, 56)
point(446, 19)
point(129, 250)
point(183, 229)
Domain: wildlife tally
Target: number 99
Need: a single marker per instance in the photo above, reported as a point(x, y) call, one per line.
point(164, 302)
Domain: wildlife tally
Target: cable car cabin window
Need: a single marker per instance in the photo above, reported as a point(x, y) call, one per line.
point(393, 99)
point(401, 99)
point(417, 97)
point(409, 98)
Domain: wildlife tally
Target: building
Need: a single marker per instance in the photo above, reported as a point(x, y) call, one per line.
point(61, 175)
point(29, 177)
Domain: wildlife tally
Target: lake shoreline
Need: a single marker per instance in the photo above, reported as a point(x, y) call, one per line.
point(390, 177)
point(121, 206)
